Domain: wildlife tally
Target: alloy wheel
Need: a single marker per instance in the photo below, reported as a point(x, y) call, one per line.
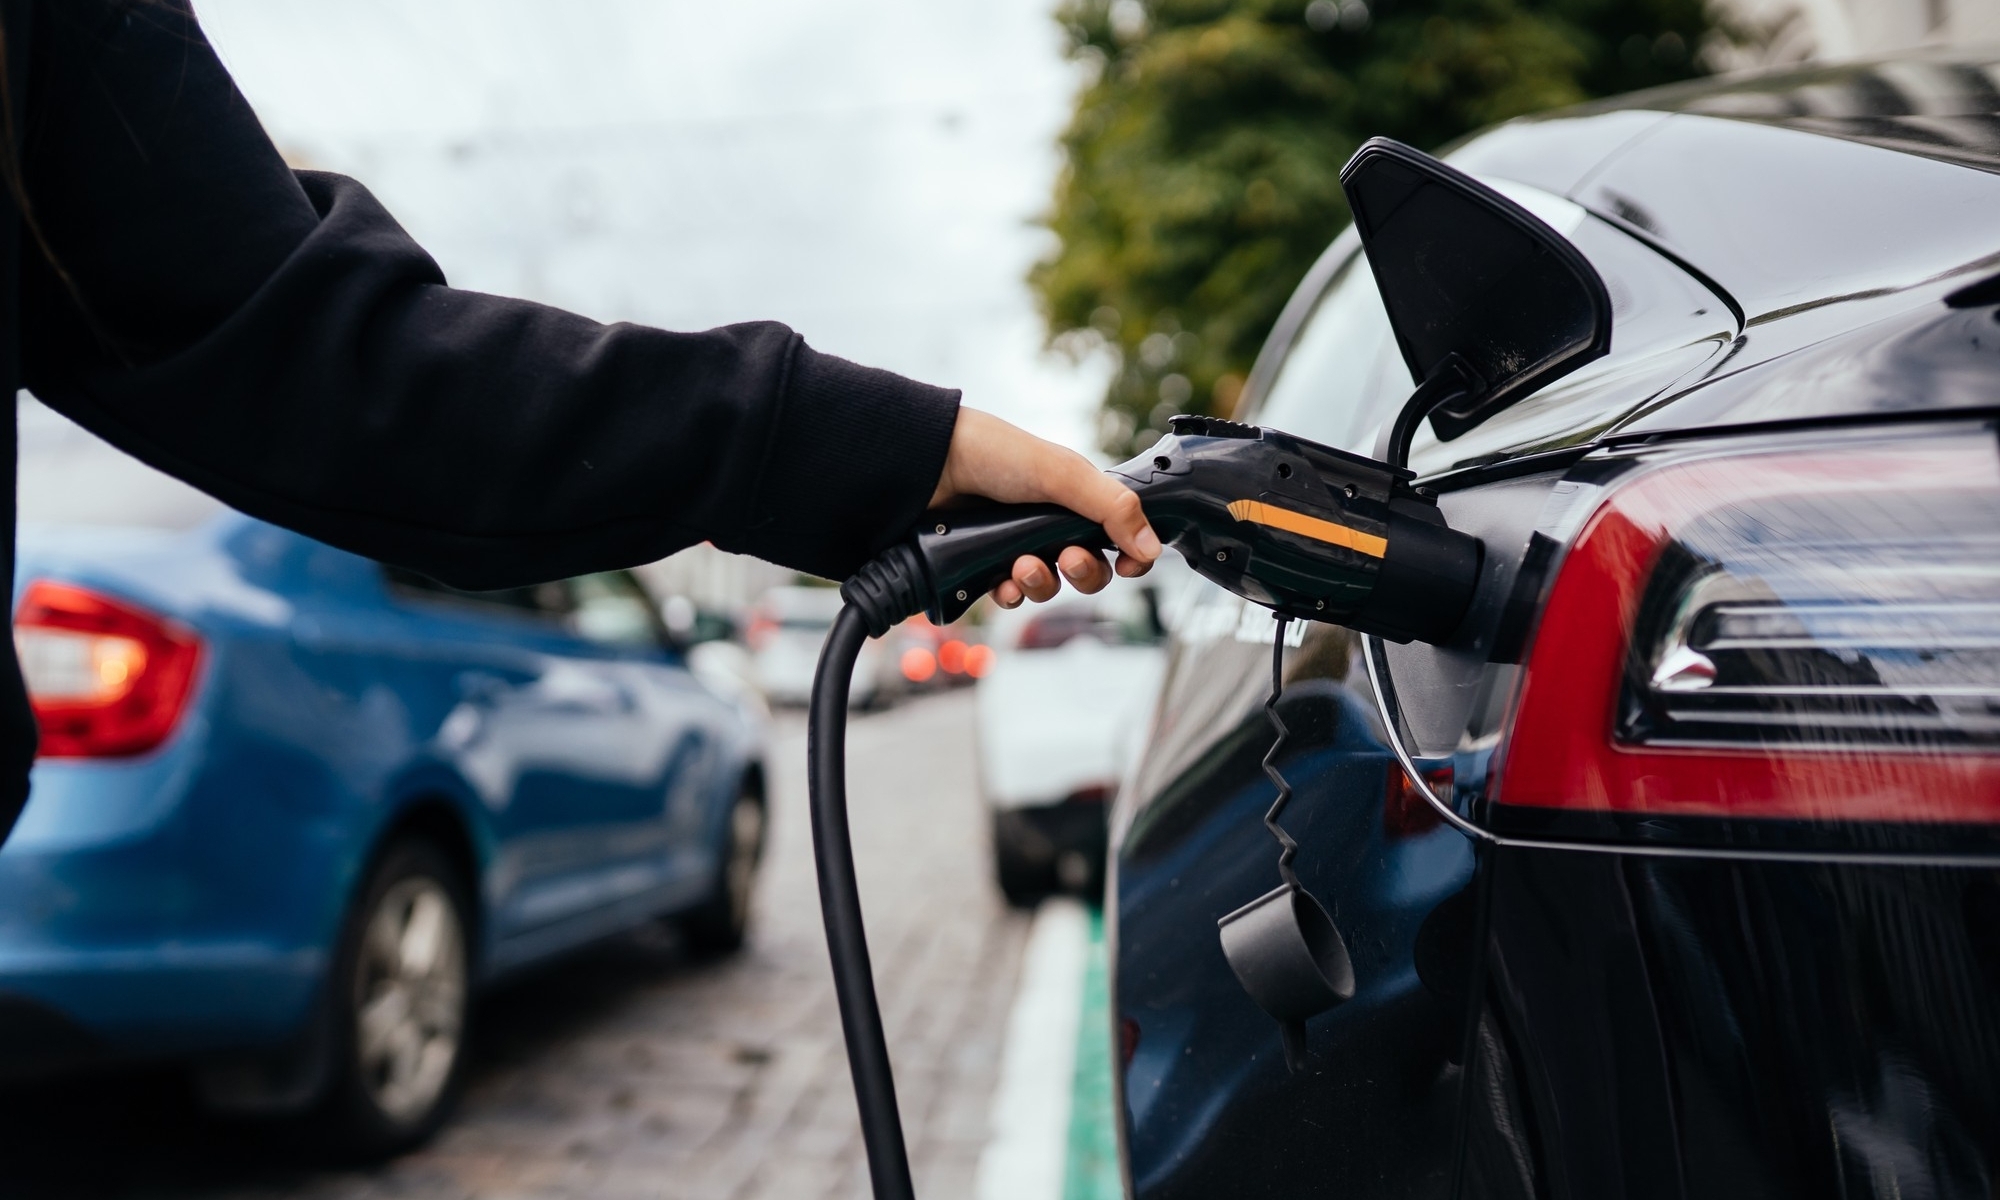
point(410, 998)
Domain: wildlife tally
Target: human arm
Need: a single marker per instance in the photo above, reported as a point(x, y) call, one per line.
point(280, 342)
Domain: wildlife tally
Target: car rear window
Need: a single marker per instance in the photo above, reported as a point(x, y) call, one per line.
point(1343, 371)
point(69, 476)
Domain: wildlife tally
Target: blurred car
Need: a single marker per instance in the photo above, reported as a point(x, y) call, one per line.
point(1725, 712)
point(710, 643)
point(787, 627)
point(293, 808)
point(932, 657)
point(1060, 713)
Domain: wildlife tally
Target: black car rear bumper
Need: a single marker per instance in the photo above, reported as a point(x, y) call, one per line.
point(1705, 1026)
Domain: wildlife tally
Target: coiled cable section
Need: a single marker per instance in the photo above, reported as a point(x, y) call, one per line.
point(1288, 848)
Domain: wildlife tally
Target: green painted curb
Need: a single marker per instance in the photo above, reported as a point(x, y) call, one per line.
point(1091, 1168)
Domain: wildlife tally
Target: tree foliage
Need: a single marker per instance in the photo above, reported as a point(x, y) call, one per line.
point(1202, 172)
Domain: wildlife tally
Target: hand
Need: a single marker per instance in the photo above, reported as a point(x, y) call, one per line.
point(990, 458)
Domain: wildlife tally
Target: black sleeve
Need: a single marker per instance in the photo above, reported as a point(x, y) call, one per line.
point(279, 341)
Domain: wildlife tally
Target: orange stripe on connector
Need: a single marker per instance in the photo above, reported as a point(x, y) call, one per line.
point(1259, 513)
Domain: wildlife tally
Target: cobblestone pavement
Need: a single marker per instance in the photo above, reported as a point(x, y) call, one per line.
point(631, 1072)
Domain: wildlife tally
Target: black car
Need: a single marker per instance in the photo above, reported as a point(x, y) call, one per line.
point(1722, 725)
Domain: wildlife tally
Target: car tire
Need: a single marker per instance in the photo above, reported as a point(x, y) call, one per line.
point(721, 922)
point(400, 997)
point(1025, 881)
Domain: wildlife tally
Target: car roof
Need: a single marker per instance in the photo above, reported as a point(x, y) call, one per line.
point(1834, 208)
point(1785, 188)
point(1940, 102)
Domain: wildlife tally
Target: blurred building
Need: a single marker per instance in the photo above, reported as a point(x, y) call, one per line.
point(1778, 32)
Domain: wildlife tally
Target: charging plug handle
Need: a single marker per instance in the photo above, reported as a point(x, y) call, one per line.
point(1302, 529)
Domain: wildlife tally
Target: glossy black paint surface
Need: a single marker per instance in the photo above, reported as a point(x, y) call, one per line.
point(1668, 1027)
point(1212, 1109)
point(1573, 1023)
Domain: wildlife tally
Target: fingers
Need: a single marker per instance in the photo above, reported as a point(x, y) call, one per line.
point(1085, 571)
point(1034, 578)
point(989, 457)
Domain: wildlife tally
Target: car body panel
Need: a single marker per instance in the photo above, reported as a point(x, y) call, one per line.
point(1544, 1021)
point(1670, 1027)
point(1207, 1074)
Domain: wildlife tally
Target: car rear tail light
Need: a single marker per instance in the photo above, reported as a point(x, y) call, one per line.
point(951, 656)
point(106, 679)
point(1809, 634)
point(758, 633)
point(978, 660)
point(918, 665)
point(1405, 811)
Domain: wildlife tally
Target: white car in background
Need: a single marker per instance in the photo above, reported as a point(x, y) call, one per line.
point(787, 627)
point(1061, 712)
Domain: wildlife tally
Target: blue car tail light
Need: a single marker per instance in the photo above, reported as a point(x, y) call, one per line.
point(107, 679)
point(1809, 634)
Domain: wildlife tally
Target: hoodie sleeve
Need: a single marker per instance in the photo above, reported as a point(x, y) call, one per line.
point(276, 339)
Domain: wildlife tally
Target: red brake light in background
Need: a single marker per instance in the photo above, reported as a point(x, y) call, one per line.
point(951, 656)
point(978, 660)
point(1809, 634)
point(918, 665)
point(759, 631)
point(106, 678)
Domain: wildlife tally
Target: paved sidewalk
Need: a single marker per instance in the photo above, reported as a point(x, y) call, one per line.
point(631, 1073)
point(1054, 1128)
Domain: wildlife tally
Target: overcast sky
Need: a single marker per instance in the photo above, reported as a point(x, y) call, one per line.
point(865, 171)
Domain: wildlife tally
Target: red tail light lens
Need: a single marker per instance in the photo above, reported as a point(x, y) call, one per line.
point(759, 632)
point(918, 665)
point(107, 679)
point(951, 656)
point(1808, 635)
point(1405, 812)
point(978, 660)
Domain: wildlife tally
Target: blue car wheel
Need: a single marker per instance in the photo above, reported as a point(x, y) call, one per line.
point(719, 924)
point(400, 988)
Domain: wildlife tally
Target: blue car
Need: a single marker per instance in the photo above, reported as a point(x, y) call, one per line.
point(293, 807)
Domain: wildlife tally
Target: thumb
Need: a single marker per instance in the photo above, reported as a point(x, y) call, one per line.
point(1089, 492)
point(991, 458)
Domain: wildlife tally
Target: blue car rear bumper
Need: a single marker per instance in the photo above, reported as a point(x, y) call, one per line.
point(113, 936)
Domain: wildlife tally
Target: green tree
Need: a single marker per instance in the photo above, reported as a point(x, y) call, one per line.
point(1202, 171)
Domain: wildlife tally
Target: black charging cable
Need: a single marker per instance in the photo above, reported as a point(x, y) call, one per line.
point(879, 595)
point(840, 905)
